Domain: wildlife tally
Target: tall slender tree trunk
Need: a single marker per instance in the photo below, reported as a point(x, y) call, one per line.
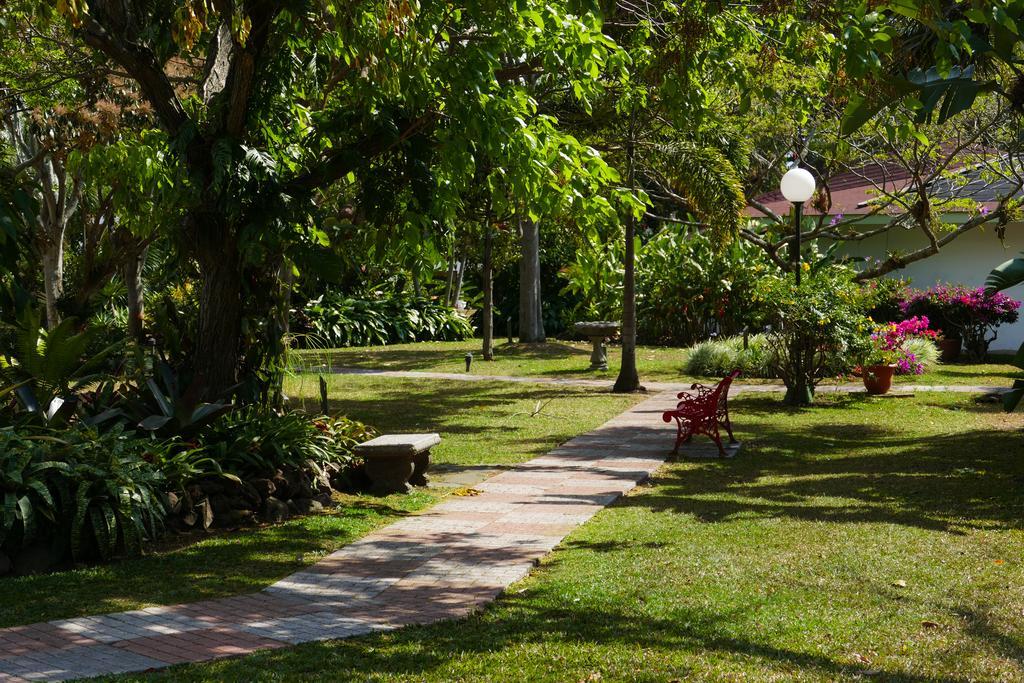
point(450, 280)
point(52, 257)
point(133, 283)
point(459, 276)
point(531, 321)
point(488, 285)
point(629, 379)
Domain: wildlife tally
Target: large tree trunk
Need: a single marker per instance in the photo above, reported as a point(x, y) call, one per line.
point(531, 320)
point(133, 283)
point(218, 343)
point(488, 285)
point(52, 256)
point(629, 379)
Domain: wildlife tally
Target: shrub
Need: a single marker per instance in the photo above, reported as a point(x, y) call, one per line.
point(256, 442)
point(687, 285)
point(818, 328)
point(719, 357)
point(971, 314)
point(909, 345)
point(95, 494)
point(337, 320)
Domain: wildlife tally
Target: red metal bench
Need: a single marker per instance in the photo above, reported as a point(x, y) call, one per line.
point(703, 413)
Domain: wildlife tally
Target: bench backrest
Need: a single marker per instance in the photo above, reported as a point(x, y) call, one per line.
point(722, 390)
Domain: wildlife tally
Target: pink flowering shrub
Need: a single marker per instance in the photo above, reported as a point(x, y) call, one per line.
point(968, 313)
point(889, 345)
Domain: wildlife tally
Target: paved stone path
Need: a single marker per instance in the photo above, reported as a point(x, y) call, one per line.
point(737, 388)
point(440, 564)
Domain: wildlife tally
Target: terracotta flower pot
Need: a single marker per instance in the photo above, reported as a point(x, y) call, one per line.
point(878, 378)
point(950, 350)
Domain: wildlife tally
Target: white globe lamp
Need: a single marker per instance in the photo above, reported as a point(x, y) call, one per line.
point(797, 185)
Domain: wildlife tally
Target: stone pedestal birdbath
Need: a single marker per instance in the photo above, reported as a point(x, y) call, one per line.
point(598, 331)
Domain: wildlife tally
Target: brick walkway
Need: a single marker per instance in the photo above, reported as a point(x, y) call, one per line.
point(440, 564)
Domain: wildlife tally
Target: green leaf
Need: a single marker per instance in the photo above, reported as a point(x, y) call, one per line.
point(1005, 275)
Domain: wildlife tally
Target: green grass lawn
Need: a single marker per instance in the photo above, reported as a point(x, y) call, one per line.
point(571, 360)
point(553, 359)
point(860, 539)
point(484, 423)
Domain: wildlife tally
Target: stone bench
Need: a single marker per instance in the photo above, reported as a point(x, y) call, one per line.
point(393, 461)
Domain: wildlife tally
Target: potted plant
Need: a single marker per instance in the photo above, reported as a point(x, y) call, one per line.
point(878, 365)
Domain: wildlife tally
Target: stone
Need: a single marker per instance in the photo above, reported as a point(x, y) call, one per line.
point(264, 487)
point(234, 518)
point(37, 558)
point(395, 460)
point(204, 514)
point(305, 506)
point(325, 500)
point(5, 564)
point(220, 503)
point(274, 510)
point(598, 332)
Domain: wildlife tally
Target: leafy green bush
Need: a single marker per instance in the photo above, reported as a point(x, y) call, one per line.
point(336, 320)
point(96, 493)
point(255, 442)
point(687, 286)
point(819, 328)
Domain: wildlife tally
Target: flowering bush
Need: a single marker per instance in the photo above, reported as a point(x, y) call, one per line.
point(968, 313)
point(891, 345)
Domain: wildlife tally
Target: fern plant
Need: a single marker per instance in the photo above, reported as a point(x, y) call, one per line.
point(46, 364)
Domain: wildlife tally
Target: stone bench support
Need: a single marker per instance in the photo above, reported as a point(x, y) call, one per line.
point(393, 461)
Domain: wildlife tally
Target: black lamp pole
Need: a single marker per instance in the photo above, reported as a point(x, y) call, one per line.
point(798, 213)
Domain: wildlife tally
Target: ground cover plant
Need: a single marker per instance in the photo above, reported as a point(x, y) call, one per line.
point(858, 539)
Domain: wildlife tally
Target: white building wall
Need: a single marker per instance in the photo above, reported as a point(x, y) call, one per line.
point(966, 260)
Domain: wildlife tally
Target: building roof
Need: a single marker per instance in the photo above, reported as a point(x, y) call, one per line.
point(852, 192)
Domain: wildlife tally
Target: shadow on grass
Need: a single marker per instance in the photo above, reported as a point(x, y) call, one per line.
point(406, 358)
point(425, 652)
point(852, 472)
point(445, 406)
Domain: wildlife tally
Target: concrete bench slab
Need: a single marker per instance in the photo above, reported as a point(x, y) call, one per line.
point(394, 461)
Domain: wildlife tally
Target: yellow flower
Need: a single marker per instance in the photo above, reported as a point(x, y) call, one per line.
point(805, 266)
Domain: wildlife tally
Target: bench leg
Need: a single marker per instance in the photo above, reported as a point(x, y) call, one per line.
point(421, 463)
point(728, 427)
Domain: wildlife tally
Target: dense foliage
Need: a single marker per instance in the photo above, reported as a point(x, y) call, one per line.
point(817, 328)
point(687, 286)
point(335, 320)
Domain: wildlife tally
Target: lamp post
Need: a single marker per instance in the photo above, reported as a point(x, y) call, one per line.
point(797, 186)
